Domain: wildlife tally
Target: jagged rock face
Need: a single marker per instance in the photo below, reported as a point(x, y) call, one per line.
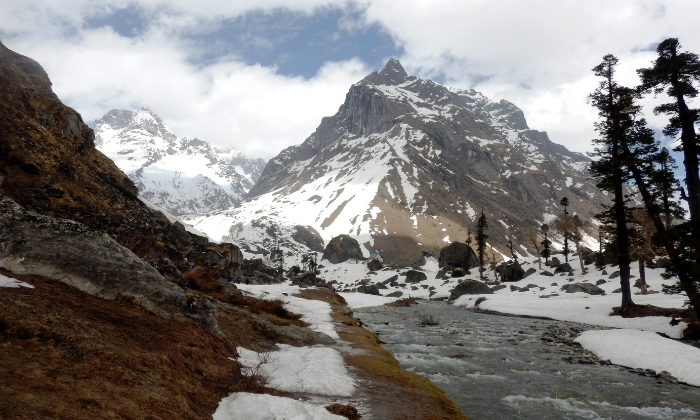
point(185, 176)
point(405, 166)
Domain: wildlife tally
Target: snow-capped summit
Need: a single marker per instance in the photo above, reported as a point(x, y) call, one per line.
point(183, 175)
point(406, 165)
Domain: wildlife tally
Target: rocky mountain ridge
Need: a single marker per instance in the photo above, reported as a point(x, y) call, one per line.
point(405, 166)
point(183, 175)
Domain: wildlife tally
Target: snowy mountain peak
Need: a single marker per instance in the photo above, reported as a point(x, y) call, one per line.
point(403, 167)
point(391, 74)
point(183, 175)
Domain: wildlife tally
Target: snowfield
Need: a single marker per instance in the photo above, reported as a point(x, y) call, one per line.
point(645, 350)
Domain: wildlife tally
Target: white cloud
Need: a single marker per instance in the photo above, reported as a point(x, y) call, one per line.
point(535, 53)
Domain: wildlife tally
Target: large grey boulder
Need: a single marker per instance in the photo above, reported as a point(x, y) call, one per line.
point(510, 271)
point(563, 268)
point(374, 265)
point(469, 287)
point(457, 255)
point(93, 262)
point(342, 248)
point(415, 276)
point(591, 289)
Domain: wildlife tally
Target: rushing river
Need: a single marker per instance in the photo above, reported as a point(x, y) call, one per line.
point(498, 367)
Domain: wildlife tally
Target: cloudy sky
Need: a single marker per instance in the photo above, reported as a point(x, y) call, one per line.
point(259, 75)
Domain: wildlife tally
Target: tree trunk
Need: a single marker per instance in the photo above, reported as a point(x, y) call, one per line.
point(690, 154)
point(642, 277)
point(584, 270)
point(623, 256)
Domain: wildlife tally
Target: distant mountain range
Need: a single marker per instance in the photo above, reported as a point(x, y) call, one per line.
point(183, 175)
point(405, 166)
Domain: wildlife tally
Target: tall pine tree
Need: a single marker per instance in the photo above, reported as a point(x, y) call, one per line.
point(675, 72)
point(564, 228)
point(617, 111)
point(481, 226)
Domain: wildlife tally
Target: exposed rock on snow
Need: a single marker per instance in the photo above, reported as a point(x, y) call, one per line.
point(457, 255)
point(342, 248)
point(591, 289)
point(510, 271)
point(469, 287)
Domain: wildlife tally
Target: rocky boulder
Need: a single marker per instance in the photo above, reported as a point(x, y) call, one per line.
point(415, 276)
point(591, 289)
point(457, 255)
point(510, 271)
point(469, 287)
point(370, 289)
point(553, 262)
point(342, 248)
point(563, 268)
point(374, 265)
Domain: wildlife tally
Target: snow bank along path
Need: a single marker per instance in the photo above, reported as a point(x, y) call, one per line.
point(316, 370)
point(313, 369)
point(646, 350)
point(246, 406)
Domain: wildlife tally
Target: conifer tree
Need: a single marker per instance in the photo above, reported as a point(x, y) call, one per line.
point(565, 231)
point(481, 226)
point(675, 72)
point(617, 110)
point(546, 252)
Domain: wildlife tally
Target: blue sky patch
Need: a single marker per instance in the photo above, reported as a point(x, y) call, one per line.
point(128, 22)
point(296, 43)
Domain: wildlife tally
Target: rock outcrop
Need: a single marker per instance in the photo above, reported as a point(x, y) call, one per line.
point(93, 262)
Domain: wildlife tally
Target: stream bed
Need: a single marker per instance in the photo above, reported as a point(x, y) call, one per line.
point(502, 367)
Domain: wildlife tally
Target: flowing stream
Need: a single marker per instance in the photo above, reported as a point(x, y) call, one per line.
point(499, 367)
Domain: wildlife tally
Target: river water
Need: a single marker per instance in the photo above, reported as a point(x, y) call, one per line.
point(499, 367)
